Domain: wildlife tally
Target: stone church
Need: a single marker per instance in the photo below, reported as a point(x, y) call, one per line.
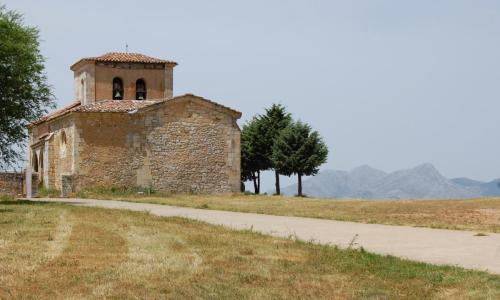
point(126, 129)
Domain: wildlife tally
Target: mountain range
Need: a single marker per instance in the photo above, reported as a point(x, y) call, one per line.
point(421, 182)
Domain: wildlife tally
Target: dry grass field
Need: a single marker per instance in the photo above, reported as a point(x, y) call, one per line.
point(50, 251)
point(471, 214)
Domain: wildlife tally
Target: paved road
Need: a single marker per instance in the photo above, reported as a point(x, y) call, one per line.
point(435, 246)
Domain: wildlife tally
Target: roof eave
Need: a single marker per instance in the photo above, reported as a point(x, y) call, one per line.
point(73, 67)
point(59, 113)
point(36, 123)
point(236, 114)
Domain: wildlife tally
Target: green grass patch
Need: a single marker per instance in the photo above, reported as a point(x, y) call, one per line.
point(117, 191)
point(58, 251)
point(6, 197)
point(48, 193)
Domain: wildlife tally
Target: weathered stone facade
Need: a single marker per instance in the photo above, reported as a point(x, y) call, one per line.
point(14, 184)
point(52, 151)
point(177, 144)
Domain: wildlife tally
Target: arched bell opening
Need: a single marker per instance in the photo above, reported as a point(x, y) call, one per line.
point(140, 89)
point(117, 88)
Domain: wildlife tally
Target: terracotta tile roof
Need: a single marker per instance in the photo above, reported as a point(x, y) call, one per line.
point(130, 105)
point(126, 57)
point(123, 106)
point(57, 113)
point(115, 105)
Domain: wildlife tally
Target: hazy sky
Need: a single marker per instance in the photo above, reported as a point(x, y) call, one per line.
point(391, 84)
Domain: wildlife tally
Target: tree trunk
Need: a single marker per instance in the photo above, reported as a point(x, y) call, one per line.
point(277, 175)
point(299, 185)
point(255, 187)
point(258, 182)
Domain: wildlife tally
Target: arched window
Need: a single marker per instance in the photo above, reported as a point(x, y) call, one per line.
point(83, 96)
point(117, 89)
point(63, 138)
point(34, 162)
point(41, 159)
point(62, 149)
point(140, 89)
point(82, 91)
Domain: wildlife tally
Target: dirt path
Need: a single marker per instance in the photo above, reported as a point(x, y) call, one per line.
point(437, 246)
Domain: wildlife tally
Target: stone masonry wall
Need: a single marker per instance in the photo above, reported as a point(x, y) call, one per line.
point(109, 150)
point(60, 154)
point(14, 183)
point(57, 151)
point(84, 84)
point(11, 183)
point(183, 146)
point(194, 148)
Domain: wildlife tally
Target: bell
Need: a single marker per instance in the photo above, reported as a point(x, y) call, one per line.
point(117, 94)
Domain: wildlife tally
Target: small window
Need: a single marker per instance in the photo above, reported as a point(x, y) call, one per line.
point(82, 91)
point(63, 144)
point(140, 89)
point(83, 96)
point(117, 89)
point(41, 159)
point(63, 138)
point(34, 162)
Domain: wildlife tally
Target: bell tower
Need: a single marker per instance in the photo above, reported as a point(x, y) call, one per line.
point(122, 76)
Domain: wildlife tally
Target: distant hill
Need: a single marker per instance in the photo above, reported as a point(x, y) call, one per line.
point(421, 182)
point(491, 188)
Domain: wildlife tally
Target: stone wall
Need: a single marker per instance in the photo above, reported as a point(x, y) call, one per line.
point(56, 150)
point(14, 183)
point(11, 183)
point(84, 84)
point(60, 152)
point(183, 146)
point(155, 79)
point(109, 149)
point(194, 148)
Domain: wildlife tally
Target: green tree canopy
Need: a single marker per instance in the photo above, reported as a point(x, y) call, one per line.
point(299, 151)
point(253, 151)
point(274, 121)
point(24, 92)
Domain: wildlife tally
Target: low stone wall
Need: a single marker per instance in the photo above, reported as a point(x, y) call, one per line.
point(12, 183)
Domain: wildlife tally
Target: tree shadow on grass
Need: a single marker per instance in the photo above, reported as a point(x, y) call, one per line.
point(24, 202)
point(20, 202)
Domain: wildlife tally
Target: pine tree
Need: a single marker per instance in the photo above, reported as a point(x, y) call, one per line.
point(299, 151)
point(253, 150)
point(274, 121)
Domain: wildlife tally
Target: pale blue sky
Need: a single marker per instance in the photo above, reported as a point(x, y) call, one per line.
point(387, 83)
